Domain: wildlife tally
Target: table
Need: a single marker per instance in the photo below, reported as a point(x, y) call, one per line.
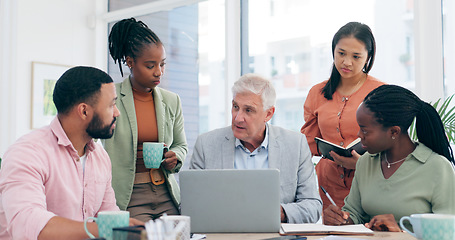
point(259, 236)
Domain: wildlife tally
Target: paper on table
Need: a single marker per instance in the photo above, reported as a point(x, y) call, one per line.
point(319, 229)
point(197, 236)
point(330, 237)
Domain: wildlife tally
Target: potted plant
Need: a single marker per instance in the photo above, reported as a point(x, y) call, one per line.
point(447, 115)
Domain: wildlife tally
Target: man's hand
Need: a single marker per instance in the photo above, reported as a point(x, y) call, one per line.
point(346, 162)
point(284, 218)
point(334, 216)
point(385, 222)
point(135, 222)
point(170, 160)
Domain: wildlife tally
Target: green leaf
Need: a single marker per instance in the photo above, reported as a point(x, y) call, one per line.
point(447, 115)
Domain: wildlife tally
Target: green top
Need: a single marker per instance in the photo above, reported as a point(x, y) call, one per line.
point(424, 183)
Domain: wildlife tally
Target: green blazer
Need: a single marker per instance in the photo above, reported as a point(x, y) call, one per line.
point(122, 147)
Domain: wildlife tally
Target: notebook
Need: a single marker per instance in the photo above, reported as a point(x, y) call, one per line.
point(314, 229)
point(324, 147)
point(231, 200)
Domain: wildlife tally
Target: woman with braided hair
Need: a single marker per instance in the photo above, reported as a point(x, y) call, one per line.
point(148, 114)
point(397, 177)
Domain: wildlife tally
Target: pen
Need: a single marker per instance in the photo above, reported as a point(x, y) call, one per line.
point(328, 195)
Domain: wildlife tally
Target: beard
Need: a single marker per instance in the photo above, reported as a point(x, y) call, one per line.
point(96, 129)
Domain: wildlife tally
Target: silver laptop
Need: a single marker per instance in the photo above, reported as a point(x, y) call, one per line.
point(231, 200)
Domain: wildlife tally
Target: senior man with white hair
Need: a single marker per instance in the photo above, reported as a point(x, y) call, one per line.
point(251, 143)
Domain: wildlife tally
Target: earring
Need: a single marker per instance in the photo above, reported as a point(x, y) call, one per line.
point(393, 137)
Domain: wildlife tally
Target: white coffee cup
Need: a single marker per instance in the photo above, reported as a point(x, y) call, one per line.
point(414, 219)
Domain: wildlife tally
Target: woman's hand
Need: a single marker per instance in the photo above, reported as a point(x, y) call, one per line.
point(170, 160)
point(346, 162)
point(334, 216)
point(385, 222)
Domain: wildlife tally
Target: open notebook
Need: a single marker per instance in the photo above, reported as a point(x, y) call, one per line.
point(320, 229)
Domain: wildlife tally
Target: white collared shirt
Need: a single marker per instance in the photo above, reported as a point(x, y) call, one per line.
point(258, 159)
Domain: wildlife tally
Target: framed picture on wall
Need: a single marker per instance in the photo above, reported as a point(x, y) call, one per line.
point(44, 77)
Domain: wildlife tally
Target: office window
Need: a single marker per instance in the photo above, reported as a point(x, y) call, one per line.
point(193, 36)
point(212, 83)
point(448, 22)
point(114, 5)
point(290, 41)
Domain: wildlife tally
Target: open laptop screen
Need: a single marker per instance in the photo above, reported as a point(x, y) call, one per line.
point(231, 200)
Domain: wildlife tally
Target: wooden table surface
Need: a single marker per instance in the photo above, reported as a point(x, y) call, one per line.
point(258, 236)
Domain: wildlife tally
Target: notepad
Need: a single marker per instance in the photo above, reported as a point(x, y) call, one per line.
point(324, 147)
point(320, 229)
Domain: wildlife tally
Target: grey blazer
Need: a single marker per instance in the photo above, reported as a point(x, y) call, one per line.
point(288, 152)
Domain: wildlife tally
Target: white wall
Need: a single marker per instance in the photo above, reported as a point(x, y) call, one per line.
point(52, 31)
point(7, 37)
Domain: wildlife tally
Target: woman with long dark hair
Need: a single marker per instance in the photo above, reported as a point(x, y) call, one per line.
point(330, 106)
point(398, 177)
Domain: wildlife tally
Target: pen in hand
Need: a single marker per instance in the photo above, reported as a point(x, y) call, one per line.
point(331, 200)
point(328, 196)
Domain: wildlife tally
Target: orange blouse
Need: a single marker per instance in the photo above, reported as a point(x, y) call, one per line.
point(147, 128)
point(335, 121)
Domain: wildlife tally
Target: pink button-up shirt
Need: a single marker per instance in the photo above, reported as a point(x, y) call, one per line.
point(42, 176)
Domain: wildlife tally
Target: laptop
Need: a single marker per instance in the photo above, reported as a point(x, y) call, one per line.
point(229, 200)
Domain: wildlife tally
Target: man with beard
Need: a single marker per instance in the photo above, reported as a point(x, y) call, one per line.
point(55, 177)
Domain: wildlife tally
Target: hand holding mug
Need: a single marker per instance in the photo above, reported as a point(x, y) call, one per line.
point(108, 220)
point(170, 160)
point(153, 154)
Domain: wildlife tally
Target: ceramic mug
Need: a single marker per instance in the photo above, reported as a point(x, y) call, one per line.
point(108, 220)
point(438, 226)
point(153, 154)
point(414, 219)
